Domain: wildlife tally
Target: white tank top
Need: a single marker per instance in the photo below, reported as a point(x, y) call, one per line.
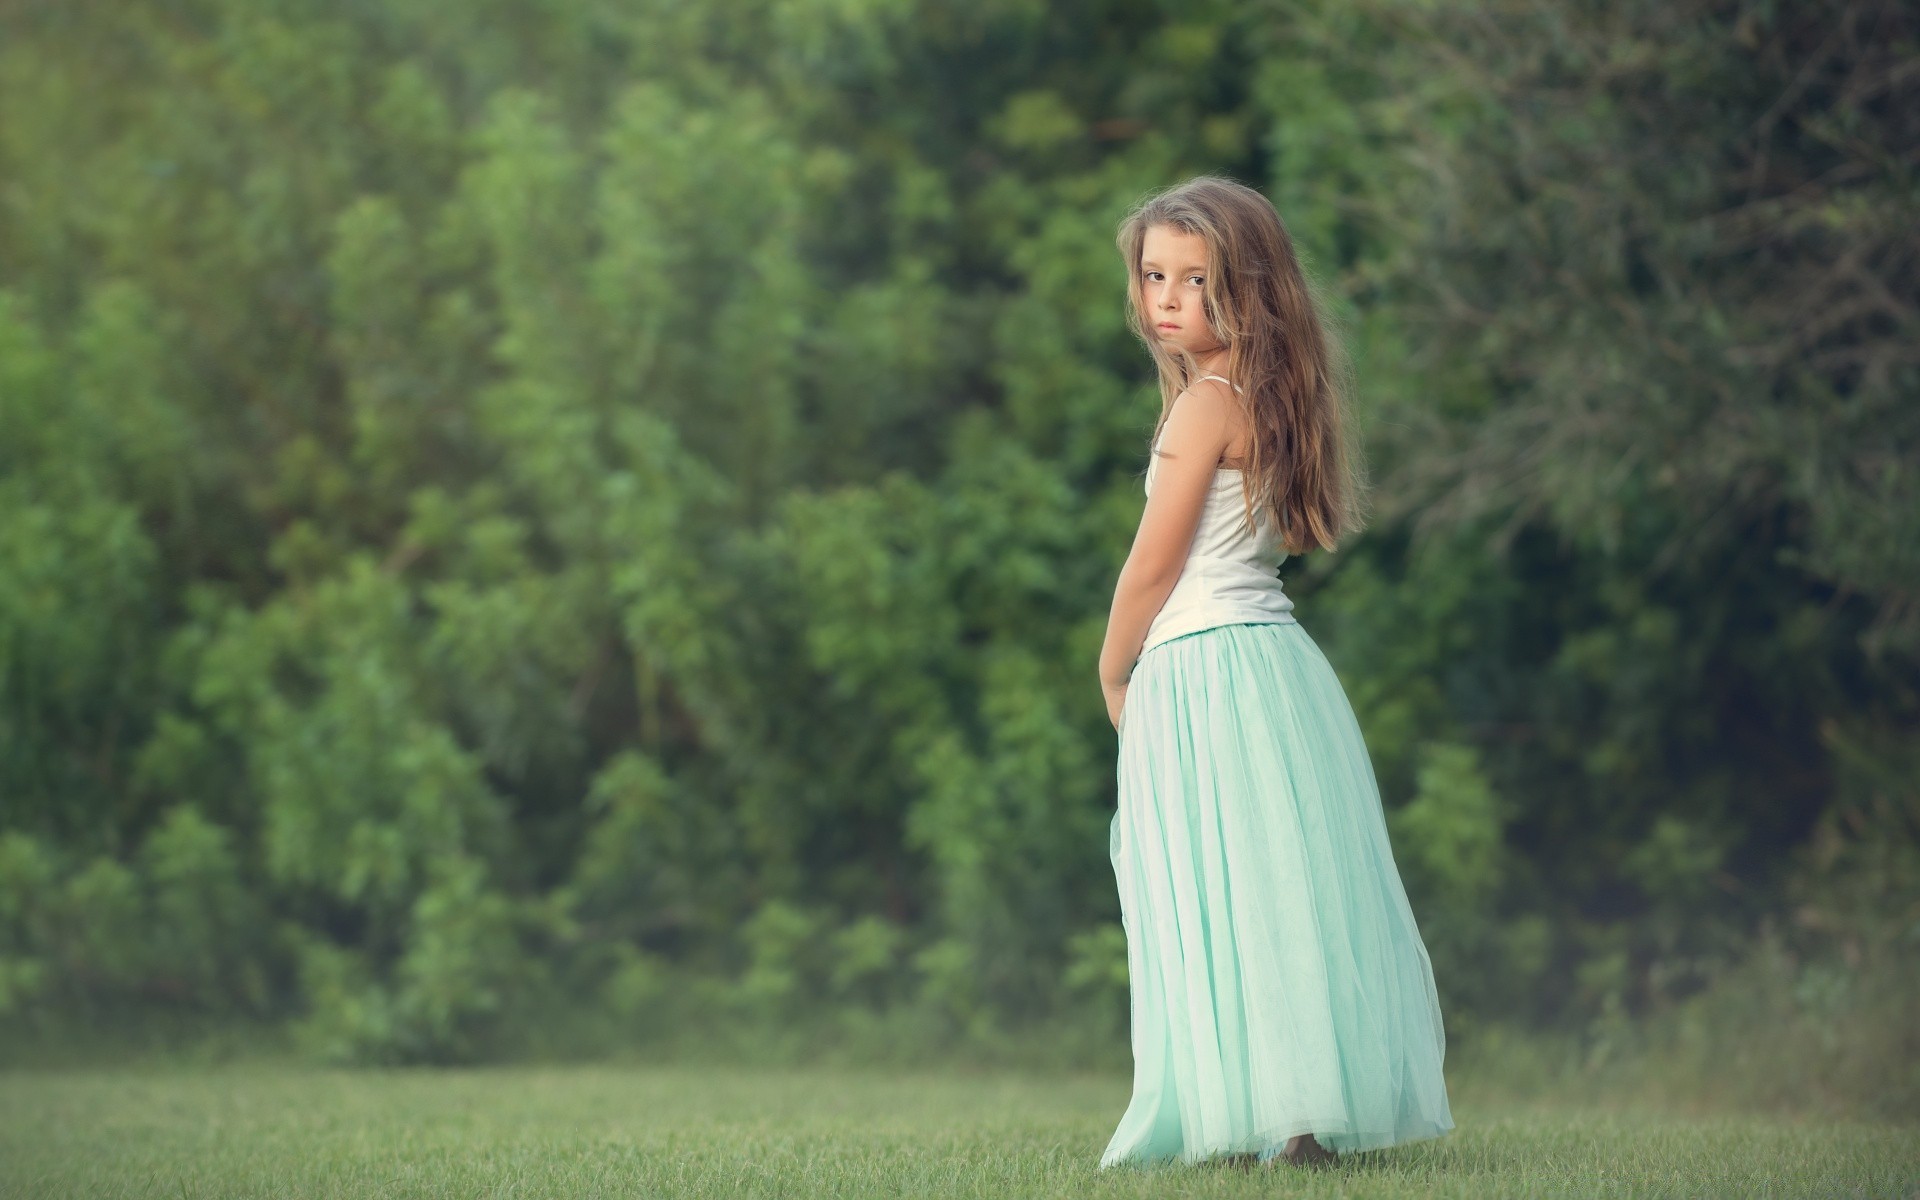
point(1231, 576)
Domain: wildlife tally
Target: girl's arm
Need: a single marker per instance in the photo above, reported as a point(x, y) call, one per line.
point(1195, 436)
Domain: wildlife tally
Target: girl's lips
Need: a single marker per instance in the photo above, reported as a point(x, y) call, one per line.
point(1167, 325)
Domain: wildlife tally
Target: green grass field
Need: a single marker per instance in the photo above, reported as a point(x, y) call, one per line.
point(581, 1132)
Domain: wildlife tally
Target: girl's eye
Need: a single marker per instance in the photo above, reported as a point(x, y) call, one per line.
point(1198, 280)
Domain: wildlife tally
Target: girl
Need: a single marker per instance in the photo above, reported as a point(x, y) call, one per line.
point(1283, 1003)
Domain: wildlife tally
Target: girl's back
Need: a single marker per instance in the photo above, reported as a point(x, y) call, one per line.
point(1232, 568)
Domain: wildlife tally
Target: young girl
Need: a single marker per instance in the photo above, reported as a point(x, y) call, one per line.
point(1283, 1003)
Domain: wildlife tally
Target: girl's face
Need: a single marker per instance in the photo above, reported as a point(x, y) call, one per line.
point(1172, 274)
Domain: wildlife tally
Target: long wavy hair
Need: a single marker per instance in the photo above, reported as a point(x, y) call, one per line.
point(1304, 468)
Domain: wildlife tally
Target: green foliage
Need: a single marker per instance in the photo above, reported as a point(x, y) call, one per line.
point(614, 511)
point(1451, 829)
point(205, 931)
point(1818, 1015)
point(175, 928)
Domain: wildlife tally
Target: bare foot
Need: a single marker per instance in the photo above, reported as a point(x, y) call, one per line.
point(1306, 1151)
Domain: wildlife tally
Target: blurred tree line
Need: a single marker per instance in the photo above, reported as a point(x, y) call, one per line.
point(609, 508)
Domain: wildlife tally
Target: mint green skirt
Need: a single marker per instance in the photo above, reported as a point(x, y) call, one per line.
point(1279, 985)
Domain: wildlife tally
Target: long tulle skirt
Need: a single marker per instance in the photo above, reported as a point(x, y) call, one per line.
point(1279, 985)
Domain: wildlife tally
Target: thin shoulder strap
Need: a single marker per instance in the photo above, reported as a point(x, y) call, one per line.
point(1230, 383)
point(1223, 379)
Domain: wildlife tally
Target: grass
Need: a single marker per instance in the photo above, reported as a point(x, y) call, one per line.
point(580, 1132)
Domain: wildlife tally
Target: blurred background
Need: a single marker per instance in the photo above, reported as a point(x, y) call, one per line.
point(584, 527)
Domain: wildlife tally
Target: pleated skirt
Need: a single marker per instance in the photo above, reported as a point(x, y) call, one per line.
point(1278, 982)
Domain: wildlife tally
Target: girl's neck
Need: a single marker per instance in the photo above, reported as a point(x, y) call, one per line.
point(1215, 363)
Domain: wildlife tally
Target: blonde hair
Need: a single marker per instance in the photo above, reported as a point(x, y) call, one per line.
point(1304, 468)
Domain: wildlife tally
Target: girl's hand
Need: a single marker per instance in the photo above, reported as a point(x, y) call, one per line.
point(1116, 695)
